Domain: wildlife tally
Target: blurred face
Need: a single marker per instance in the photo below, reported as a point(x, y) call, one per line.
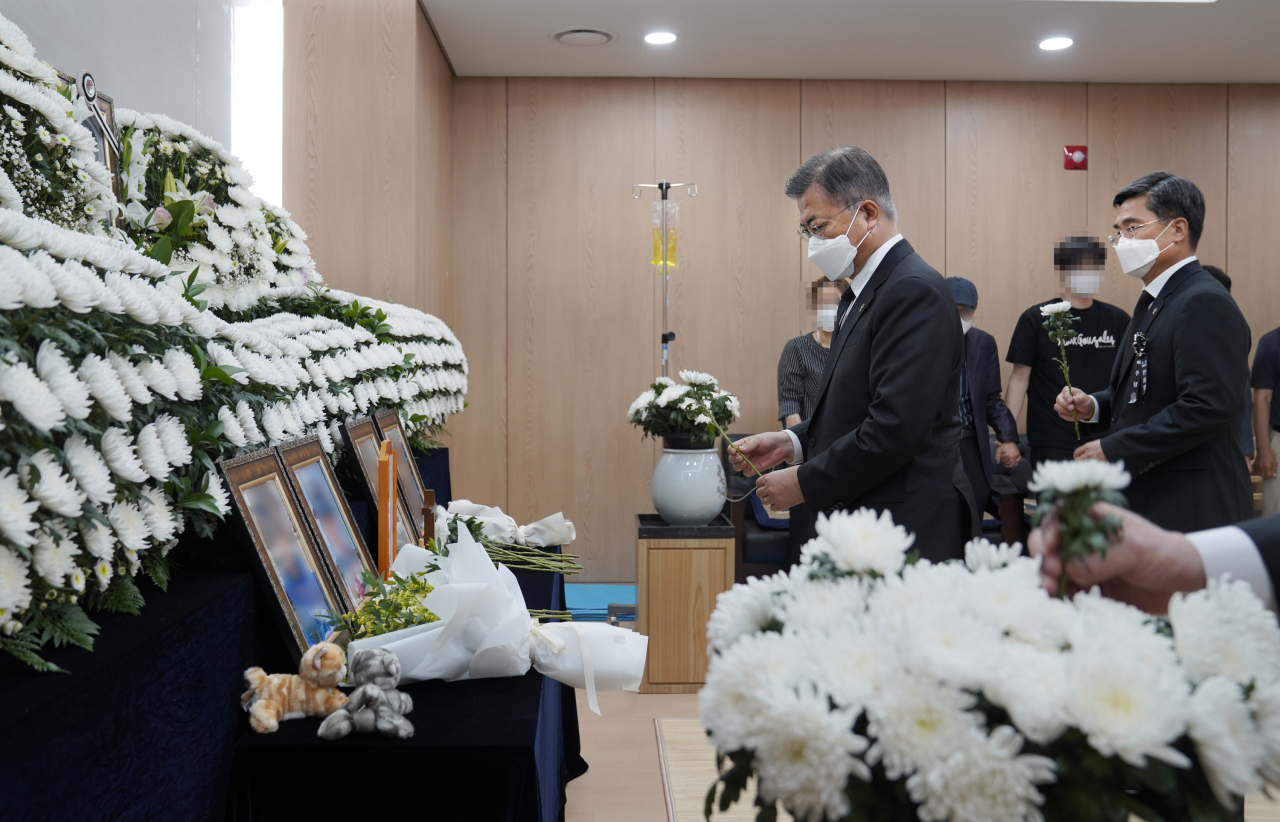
point(966, 313)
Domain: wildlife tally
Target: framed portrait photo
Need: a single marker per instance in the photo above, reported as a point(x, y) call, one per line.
point(289, 561)
point(411, 485)
point(101, 123)
point(326, 513)
point(363, 440)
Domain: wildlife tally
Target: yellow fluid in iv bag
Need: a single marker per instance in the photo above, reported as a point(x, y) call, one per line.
point(671, 246)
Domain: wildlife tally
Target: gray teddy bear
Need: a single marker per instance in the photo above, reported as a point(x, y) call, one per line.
point(375, 705)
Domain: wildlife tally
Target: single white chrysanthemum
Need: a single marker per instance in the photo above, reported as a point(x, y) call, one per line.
point(117, 449)
point(173, 439)
point(33, 399)
point(54, 489)
point(853, 662)
point(1227, 744)
point(158, 515)
point(984, 782)
point(917, 721)
point(820, 603)
point(244, 414)
point(151, 453)
point(670, 394)
point(806, 753)
point(1065, 477)
point(16, 508)
point(746, 608)
point(134, 384)
point(641, 403)
point(90, 471)
point(185, 374)
point(1225, 629)
point(130, 526)
point(733, 704)
point(273, 424)
point(232, 432)
point(98, 539)
point(1031, 685)
point(159, 379)
point(983, 553)
point(54, 556)
point(15, 585)
point(1055, 308)
point(77, 580)
point(699, 378)
point(102, 571)
point(105, 386)
point(859, 542)
point(939, 638)
point(218, 491)
point(56, 372)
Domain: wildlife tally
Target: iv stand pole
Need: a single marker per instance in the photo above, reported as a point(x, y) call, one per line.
point(664, 187)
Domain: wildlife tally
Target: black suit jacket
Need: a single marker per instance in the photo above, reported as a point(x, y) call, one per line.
point(1179, 440)
point(1265, 533)
point(983, 361)
point(885, 430)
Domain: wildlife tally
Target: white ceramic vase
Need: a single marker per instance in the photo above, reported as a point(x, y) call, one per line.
point(688, 485)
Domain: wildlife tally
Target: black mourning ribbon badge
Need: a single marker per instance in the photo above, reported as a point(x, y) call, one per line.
point(1139, 387)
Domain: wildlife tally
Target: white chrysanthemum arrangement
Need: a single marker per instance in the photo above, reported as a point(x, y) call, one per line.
point(698, 407)
point(862, 685)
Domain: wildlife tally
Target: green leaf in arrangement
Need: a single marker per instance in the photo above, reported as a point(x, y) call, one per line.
point(24, 645)
point(157, 568)
point(121, 597)
point(161, 250)
point(66, 624)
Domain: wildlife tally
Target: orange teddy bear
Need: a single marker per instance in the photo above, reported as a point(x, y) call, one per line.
point(310, 692)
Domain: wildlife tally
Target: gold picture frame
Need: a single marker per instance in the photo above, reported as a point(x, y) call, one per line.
point(363, 438)
point(412, 488)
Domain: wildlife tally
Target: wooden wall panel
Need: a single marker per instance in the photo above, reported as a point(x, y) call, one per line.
point(1135, 129)
point(1009, 201)
point(733, 295)
point(580, 309)
point(903, 125)
point(433, 225)
point(1253, 178)
point(478, 441)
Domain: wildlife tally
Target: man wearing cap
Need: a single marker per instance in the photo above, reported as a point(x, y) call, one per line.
point(980, 402)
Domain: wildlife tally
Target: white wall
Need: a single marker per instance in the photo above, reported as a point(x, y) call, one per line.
point(167, 56)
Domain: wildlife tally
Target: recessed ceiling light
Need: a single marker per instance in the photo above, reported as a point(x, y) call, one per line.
point(660, 38)
point(1055, 43)
point(582, 37)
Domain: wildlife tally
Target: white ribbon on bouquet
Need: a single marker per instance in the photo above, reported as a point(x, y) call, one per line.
point(485, 630)
point(545, 533)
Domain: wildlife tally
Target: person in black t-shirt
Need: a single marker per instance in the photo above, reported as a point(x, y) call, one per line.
point(1037, 379)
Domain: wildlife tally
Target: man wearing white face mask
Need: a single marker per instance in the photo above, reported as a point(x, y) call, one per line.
point(1171, 408)
point(885, 431)
point(1079, 263)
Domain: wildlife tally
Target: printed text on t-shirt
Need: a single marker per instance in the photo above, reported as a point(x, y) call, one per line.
point(1103, 340)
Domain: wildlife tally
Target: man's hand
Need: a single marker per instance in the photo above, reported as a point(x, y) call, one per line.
point(1074, 398)
point(780, 489)
point(764, 450)
point(1007, 454)
point(1090, 451)
point(1144, 564)
point(1264, 465)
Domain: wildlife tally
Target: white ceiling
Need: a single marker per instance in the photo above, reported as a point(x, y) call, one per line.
point(1153, 41)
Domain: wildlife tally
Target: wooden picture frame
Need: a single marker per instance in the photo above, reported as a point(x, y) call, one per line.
point(288, 561)
point(362, 439)
point(412, 488)
point(325, 511)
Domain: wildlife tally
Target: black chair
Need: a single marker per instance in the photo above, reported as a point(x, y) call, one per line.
point(759, 551)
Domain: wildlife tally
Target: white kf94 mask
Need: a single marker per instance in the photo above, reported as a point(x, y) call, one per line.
point(834, 257)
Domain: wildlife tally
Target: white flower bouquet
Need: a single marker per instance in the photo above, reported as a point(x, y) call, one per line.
point(697, 408)
point(863, 686)
point(1057, 321)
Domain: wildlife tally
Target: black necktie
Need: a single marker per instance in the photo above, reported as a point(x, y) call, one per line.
point(1144, 302)
point(846, 299)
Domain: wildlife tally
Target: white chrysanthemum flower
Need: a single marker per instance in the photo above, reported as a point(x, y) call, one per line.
point(746, 608)
point(983, 553)
point(1227, 744)
point(666, 382)
point(159, 379)
point(105, 386)
point(918, 721)
point(134, 384)
point(40, 407)
point(232, 431)
point(15, 585)
point(89, 470)
point(16, 508)
point(158, 515)
point(130, 526)
point(1055, 308)
point(1065, 477)
point(221, 356)
point(54, 489)
point(151, 453)
point(699, 378)
point(102, 571)
point(218, 491)
point(859, 542)
point(670, 394)
point(118, 450)
point(852, 663)
point(1224, 629)
point(806, 753)
point(347, 401)
point(325, 438)
point(1031, 685)
point(984, 782)
point(939, 638)
point(98, 539)
point(77, 580)
point(1264, 703)
point(185, 374)
point(173, 439)
point(244, 415)
point(734, 702)
point(821, 603)
point(56, 372)
point(1011, 599)
point(54, 556)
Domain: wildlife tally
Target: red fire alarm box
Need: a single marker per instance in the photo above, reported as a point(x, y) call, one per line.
point(1075, 158)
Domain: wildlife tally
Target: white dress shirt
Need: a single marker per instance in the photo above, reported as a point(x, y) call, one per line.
point(858, 283)
point(1229, 550)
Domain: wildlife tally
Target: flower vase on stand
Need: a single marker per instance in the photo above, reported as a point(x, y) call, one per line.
point(688, 481)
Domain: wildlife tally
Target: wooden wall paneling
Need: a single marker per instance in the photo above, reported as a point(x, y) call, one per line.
point(581, 298)
point(433, 224)
point(732, 296)
point(478, 441)
point(349, 140)
point(1138, 128)
point(903, 124)
point(1253, 178)
point(1009, 200)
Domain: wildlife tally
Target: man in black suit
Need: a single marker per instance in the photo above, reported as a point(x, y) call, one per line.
point(980, 402)
point(1170, 412)
point(884, 432)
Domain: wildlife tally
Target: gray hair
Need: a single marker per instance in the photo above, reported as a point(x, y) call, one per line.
point(848, 175)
